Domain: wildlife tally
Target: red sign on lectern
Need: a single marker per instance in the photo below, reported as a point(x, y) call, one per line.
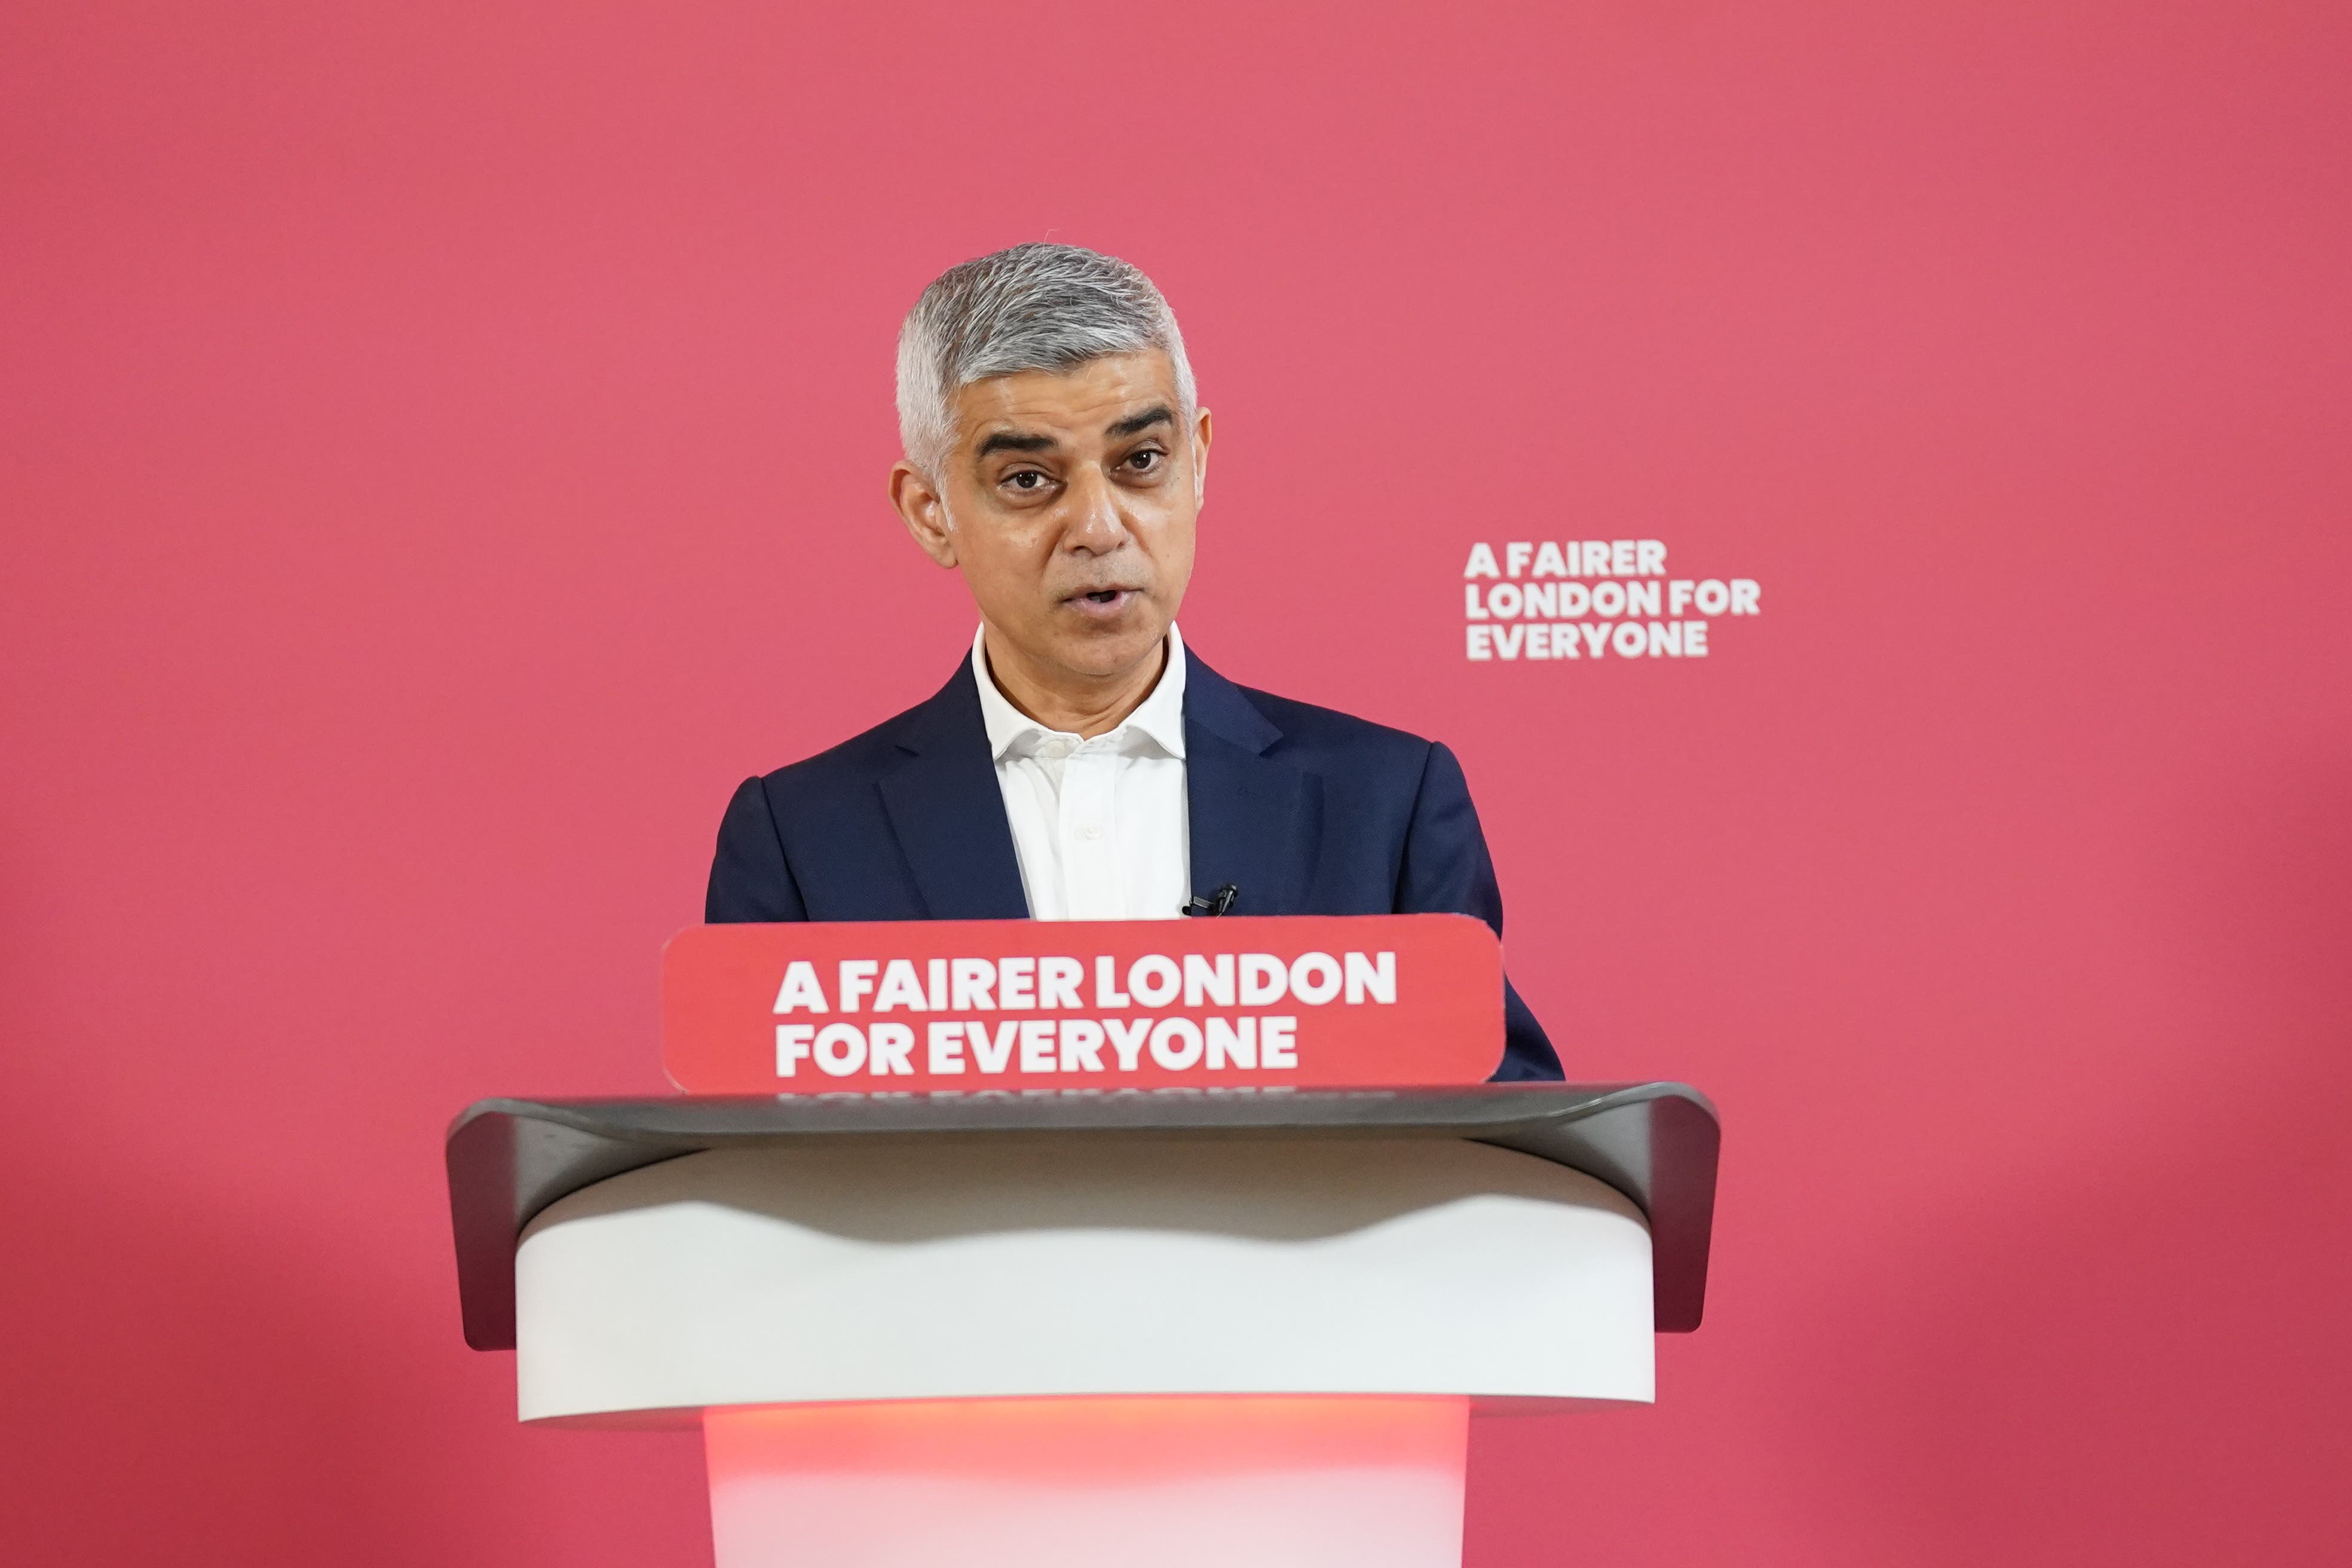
point(945, 1006)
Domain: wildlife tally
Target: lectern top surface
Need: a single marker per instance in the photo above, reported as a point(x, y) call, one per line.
point(1655, 1142)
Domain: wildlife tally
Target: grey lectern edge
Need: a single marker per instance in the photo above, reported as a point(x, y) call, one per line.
point(1654, 1142)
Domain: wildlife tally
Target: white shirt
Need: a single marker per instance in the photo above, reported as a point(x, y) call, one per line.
point(1101, 827)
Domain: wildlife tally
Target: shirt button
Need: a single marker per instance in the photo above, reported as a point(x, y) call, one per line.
point(1056, 748)
point(1091, 830)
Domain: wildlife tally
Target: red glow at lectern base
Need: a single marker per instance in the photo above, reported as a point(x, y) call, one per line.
point(1228, 1482)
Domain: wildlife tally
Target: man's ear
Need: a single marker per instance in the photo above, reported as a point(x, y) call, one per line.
point(1200, 455)
point(924, 512)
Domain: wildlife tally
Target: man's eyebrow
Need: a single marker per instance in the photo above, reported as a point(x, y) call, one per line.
point(1011, 441)
point(1133, 423)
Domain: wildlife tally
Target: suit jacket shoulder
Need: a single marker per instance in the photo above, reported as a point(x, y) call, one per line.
point(859, 760)
point(901, 822)
point(1308, 728)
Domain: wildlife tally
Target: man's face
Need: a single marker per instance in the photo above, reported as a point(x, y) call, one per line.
point(1068, 504)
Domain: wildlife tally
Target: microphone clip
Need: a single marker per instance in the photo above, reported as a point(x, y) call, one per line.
point(1217, 903)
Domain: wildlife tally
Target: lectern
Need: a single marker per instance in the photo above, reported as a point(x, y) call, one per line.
point(1140, 1328)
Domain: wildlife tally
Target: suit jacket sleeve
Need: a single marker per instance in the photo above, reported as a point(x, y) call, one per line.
point(749, 878)
point(1447, 870)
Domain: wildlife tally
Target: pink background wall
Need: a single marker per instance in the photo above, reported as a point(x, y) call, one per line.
point(442, 452)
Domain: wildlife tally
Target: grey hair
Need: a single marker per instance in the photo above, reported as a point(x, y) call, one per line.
point(1034, 306)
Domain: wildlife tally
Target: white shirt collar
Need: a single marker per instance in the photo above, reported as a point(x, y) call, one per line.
point(1160, 716)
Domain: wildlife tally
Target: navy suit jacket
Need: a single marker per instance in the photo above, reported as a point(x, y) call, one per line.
point(1307, 811)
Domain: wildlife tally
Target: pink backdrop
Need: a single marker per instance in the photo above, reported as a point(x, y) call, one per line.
point(442, 453)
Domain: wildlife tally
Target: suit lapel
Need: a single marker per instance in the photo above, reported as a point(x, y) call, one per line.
point(948, 812)
point(1255, 819)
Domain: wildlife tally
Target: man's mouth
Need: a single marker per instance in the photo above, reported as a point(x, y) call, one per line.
point(1101, 602)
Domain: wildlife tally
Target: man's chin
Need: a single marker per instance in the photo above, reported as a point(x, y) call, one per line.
point(1103, 650)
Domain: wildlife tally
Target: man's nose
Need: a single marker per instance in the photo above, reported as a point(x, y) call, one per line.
point(1096, 524)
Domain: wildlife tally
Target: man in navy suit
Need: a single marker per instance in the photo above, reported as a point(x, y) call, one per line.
point(1082, 764)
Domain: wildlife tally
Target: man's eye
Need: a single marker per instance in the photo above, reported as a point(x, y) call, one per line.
point(1027, 479)
point(1147, 459)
